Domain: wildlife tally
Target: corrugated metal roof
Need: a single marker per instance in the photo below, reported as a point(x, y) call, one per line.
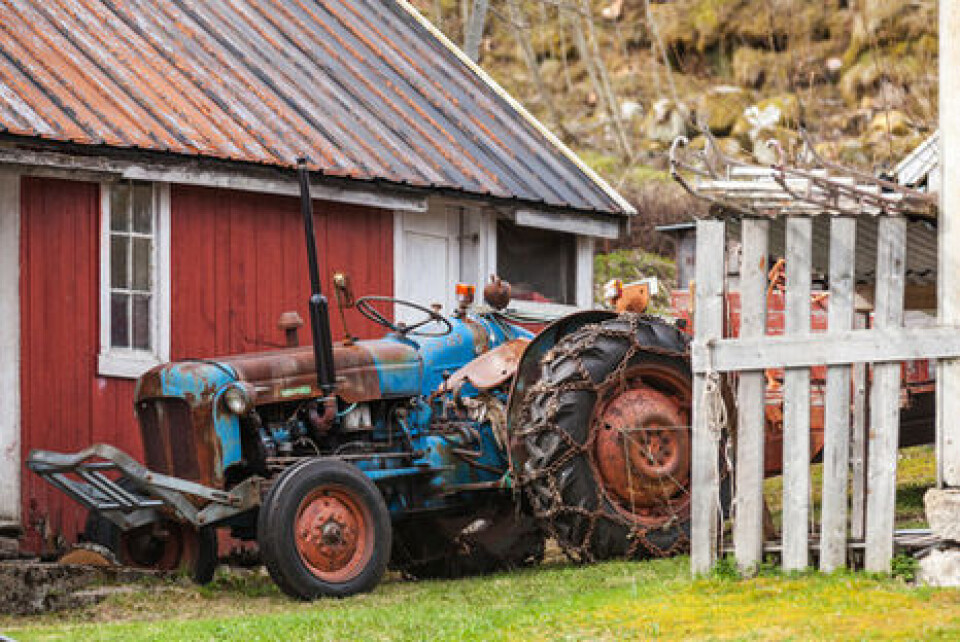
point(365, 89)
point(921, 267)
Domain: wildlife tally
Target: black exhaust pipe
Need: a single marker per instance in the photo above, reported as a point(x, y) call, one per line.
point(319, 310)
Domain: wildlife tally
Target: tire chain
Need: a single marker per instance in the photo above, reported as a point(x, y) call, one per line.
point(541, 473)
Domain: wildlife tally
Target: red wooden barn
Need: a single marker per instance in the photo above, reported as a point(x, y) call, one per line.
point(148, 209)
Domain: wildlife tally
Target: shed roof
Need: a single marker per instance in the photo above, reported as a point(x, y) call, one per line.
point(365, 89)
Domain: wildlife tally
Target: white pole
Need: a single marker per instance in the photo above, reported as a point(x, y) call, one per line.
point(948, 270)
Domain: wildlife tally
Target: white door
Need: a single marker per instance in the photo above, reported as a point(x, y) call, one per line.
point(435, 250)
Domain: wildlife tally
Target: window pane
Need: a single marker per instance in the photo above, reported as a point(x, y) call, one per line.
point(119, 261)
point(120, 320)
point(141, 264)
point(141, 321)
point(120, 207)
point(143, 208)
point(539, 264)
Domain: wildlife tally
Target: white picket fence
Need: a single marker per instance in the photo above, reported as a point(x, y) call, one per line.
point(843, 349)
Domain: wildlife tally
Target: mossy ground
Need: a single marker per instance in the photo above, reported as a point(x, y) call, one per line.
point(916, 472)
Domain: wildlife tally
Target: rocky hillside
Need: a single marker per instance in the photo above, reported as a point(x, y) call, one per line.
point(619, 79)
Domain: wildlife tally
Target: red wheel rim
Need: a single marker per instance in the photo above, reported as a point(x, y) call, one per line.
point(642, 444)
point(168, 546)
point(334, 534)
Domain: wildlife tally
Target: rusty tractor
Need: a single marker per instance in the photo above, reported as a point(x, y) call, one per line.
point(453, 444)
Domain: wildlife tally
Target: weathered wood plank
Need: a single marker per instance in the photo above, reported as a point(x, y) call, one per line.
point(849, 346)
point(796, 400)
point(10, 350)
point(708, 324)
point(858, 444)
point(836, 450)
point(948, 242)
point(748, 524)
point(885, 399)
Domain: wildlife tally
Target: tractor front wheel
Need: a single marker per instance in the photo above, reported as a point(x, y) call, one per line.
point(324, 531)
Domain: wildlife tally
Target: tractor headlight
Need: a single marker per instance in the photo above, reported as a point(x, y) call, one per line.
point(238, 399)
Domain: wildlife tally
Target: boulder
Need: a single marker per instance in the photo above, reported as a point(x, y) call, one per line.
point(890, 123)
point(943, 513)
point(665, 121)
point(940, 568)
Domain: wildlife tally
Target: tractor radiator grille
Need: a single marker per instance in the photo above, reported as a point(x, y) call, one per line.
point(169, 439)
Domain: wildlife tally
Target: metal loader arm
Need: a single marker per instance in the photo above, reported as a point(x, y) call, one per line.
point(129, 509)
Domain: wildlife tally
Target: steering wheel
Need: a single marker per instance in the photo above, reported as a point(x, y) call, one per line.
point(364, 306)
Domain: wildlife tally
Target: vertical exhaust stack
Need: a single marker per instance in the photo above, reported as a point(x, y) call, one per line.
point(319, 310)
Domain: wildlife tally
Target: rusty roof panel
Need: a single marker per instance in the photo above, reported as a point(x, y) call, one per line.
point(364, 89)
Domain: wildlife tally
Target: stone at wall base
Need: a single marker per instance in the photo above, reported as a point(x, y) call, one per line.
point(9, 548)
point(943, 512)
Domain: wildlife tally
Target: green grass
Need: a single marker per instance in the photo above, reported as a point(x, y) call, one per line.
point(615, 600)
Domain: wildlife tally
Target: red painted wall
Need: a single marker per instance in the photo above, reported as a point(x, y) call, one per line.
point(65, 405)
point(237, 263)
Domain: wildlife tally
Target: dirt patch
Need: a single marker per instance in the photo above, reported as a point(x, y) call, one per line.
point(30, 588)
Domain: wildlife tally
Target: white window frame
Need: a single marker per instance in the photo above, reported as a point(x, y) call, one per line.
point(129, 363)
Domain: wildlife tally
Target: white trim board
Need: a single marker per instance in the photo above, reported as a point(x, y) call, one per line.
point(9, 350)
point(97, 168)
point(580, 224)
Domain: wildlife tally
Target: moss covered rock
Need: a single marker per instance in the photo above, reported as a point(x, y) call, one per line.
point(720, 108)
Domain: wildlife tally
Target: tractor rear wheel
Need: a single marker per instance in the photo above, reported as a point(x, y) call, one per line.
point(324, 531)
point(607, 441)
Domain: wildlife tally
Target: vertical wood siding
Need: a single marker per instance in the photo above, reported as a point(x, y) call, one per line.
point(238, 262)
point(65, 405)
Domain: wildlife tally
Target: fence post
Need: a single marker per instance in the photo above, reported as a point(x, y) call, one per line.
point(948, 245)
point(885, 398)
point(748, 518)
point(836, 449)
point(796, 400)
point(708, 325)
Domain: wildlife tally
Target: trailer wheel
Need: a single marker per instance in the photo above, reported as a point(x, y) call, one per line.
point(171, 546)
point(163, 546)
point(607, 441)
point(324, 531)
